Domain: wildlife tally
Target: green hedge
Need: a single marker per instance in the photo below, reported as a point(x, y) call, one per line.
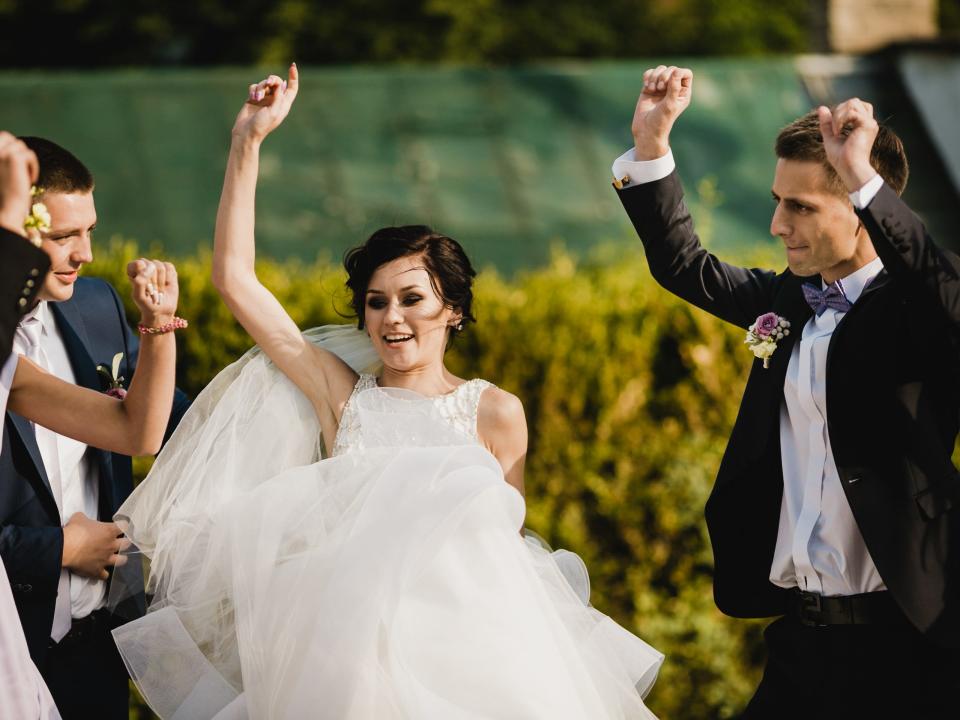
point(630, 395)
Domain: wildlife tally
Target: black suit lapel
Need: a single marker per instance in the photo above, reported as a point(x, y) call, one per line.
point(73, 330)
point(881, 280)
point(758, 419)
point(788, 303)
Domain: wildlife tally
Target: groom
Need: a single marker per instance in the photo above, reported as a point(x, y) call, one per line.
point(836, 503)
point(58, 496)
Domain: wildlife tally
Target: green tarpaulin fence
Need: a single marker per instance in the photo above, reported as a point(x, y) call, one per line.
point(507, 161)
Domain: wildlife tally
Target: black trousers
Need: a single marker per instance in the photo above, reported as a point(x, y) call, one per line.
point(85, 674)
point(855, 671)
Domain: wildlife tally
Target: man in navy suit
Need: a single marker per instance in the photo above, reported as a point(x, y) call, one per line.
point(57, 496)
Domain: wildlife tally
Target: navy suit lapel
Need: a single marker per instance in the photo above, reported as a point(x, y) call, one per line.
point(74, 332)
point(24, 429)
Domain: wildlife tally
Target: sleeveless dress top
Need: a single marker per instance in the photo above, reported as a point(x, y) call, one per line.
point(459, 408)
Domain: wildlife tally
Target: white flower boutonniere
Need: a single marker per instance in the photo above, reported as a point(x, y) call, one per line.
point(763, 335)
point(38, 221)
point(111, 375)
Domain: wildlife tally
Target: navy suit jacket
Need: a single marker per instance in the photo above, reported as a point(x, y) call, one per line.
point(94, 329)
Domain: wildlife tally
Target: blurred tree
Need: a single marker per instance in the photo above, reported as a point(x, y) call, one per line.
point(93, 33)
point(97, 33)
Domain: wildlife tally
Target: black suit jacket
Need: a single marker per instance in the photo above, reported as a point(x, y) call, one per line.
point(22, 269)
point(94, 329)
point(893, 399)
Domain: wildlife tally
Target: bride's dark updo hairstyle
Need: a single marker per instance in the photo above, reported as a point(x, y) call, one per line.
point(448, 266)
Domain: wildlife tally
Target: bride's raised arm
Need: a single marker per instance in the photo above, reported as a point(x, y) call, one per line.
point(322, 377)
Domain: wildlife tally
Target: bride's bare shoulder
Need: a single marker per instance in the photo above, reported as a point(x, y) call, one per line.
point(500, 416)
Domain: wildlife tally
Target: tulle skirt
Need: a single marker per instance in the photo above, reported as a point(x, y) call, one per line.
point(384, 584)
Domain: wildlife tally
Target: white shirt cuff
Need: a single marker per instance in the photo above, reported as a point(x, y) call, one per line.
point(862, 197)
point(627, 170)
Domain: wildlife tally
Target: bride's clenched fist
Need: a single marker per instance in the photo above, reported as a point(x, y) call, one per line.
point(267, 104)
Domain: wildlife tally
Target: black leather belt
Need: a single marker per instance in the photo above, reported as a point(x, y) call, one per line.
point(876, 608)
point(83, 629)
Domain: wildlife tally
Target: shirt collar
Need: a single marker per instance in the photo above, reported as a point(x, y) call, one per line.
point(854, 284)
point(42, 313)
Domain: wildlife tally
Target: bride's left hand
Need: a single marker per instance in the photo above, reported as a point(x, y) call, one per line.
point(267, 105)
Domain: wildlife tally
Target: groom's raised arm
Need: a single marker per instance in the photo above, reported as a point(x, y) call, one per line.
point(850, 133)
point(649, 187)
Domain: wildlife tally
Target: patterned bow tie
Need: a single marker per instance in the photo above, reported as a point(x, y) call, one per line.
point(819, 300)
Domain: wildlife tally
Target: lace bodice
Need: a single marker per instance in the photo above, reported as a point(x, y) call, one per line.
point(459, 408)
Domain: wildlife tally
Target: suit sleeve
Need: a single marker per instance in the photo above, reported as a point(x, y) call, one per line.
point(679, 262)
point(22, 270)
point(908, 252)
point(181, 401)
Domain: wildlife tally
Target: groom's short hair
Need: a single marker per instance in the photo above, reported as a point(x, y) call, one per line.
point(60, 170)
point(801, 140)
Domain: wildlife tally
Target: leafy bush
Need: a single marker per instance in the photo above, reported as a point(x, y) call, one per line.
point(630, 395)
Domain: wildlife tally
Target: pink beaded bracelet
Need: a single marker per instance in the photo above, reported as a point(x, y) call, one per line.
point(176, 324)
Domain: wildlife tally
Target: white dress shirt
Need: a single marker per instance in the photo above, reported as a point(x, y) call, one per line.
point(819, 545)
point(24, 694)
point(68, 468)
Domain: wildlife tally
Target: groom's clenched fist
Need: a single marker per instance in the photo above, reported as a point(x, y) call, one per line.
point(849, 131)
point(666, 94)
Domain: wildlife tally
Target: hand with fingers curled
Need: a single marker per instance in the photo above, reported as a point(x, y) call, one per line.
point(90, 547)
point(267, 104)
point(849, 131)
point(155, 290)
point(667, 91)
point(18, 172)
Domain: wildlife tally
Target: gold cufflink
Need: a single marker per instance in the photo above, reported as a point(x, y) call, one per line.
point(619, 183)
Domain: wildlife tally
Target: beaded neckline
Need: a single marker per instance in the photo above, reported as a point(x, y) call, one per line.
point(459, 407)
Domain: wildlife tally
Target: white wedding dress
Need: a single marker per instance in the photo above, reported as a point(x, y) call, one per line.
point(389, 580)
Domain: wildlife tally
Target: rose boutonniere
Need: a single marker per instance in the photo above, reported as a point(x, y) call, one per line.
point(112, 376)
point(763, 335)
point(38, 221)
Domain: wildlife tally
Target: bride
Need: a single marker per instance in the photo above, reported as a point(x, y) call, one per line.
point(389, 579)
